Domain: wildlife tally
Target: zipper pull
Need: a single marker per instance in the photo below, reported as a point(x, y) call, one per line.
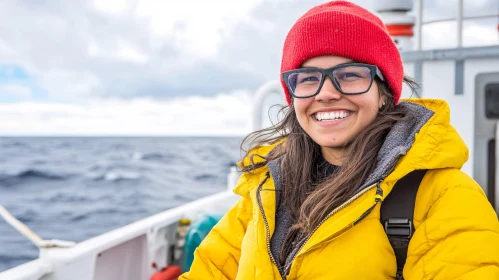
point(379, 193)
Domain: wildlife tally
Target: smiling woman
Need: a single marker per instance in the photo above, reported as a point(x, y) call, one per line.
point(355, 101)
point(314, 185)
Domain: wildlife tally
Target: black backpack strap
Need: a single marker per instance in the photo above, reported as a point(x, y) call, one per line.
point(397, 211)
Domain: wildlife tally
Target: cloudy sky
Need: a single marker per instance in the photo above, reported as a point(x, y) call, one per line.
point(149, 67)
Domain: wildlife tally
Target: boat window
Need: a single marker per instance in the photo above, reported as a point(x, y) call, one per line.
point(492, 101)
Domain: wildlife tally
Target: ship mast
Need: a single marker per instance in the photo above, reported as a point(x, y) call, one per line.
point(400, 24)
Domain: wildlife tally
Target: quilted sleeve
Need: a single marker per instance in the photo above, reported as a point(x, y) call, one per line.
point(459, 238)
point(217, 257)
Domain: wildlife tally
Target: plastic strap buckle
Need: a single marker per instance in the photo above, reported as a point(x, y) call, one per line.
point(399, 227)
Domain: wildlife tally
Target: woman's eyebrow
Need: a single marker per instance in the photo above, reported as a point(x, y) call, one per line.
point(348, 62)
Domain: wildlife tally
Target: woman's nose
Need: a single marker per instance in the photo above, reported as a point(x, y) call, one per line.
point(328, 92)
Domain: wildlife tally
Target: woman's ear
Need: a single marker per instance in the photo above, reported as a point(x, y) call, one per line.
point(382, 101)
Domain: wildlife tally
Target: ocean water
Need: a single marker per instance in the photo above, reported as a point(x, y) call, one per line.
point(77, 188)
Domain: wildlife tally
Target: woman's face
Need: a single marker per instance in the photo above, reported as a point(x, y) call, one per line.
point(333, 135)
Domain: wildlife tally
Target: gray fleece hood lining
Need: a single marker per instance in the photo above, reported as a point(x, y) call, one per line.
point(398, 141)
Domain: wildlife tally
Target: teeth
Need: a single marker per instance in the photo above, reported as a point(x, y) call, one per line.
point(331, 116)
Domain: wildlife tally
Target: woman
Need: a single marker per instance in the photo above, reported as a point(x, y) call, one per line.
point(313, 186)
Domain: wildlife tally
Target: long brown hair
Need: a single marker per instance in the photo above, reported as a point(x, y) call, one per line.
point(310, 201)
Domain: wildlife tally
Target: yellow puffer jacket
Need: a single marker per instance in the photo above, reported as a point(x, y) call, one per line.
point(456, 237)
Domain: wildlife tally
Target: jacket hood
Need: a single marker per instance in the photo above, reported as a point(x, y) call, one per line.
point(435, 145)
point(423, 139)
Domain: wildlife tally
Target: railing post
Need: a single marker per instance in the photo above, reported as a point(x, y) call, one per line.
point(419, 23)
point(460, 23)
point(495, 195)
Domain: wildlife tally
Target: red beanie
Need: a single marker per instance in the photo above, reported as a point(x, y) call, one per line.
point(343, 29)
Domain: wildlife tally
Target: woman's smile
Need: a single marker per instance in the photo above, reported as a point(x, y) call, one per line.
point(330, 118)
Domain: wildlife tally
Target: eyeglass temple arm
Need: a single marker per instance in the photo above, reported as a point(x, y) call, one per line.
point(378, 72)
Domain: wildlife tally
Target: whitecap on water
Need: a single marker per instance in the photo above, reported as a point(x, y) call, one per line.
point(137, 156)
point(115, 176)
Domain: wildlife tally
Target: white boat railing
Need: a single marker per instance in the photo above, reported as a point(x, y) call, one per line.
point(261, 94)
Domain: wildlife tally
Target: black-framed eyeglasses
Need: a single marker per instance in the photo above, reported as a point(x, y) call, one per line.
point(348, 78)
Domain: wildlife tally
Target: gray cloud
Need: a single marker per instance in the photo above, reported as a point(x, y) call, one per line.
point(257, 46)
point(67, 46)
point(71, 49)
point(51, 40)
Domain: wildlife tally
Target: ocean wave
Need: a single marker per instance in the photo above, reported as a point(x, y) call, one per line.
point(67, 197)
point(154, 156)
point(117, 176)
point(205, 177)
point(98, 212)
point(27, 217)
point(30, 174)
point(14, 144)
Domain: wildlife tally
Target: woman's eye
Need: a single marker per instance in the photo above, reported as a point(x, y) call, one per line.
point(349, 75)
point(309, 79)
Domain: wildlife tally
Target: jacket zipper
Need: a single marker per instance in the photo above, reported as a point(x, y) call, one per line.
point(267, 230)
point(379, 194)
